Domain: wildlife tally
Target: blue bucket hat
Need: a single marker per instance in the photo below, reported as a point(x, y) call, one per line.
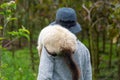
point(67, 18)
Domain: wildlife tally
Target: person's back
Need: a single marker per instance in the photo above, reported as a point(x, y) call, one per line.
point(59, 41)
point(55, 68)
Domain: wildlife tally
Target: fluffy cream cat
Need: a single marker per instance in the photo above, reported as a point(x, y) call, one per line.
point(56, 38)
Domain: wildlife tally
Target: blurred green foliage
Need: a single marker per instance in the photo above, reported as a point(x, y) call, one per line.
point(17, 68)
point(22, 32)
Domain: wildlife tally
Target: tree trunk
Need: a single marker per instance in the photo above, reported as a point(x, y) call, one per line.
point(31, 52)
point(94, 54)
point(89, 41)
point(104, 41)
point(1, 35)
point(119, 63)
point(97, 50)
point(118, 54)
point(12, 44)
point(110, 54)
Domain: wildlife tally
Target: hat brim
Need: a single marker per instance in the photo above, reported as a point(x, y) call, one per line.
point(74, 29)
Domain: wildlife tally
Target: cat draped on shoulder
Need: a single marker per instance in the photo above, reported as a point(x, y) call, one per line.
point(57, 40)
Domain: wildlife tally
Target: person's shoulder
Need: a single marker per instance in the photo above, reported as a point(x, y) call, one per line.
point(81, 45)
point(82, 49)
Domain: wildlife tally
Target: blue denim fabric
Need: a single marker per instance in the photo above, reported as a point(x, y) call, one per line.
point(54, 68)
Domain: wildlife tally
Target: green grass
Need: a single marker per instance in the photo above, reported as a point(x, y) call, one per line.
point(19, 66)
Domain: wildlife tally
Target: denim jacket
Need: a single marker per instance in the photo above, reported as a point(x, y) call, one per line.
point(55, 68)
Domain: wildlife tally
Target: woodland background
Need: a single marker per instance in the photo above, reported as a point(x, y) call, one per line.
point(22, 20)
